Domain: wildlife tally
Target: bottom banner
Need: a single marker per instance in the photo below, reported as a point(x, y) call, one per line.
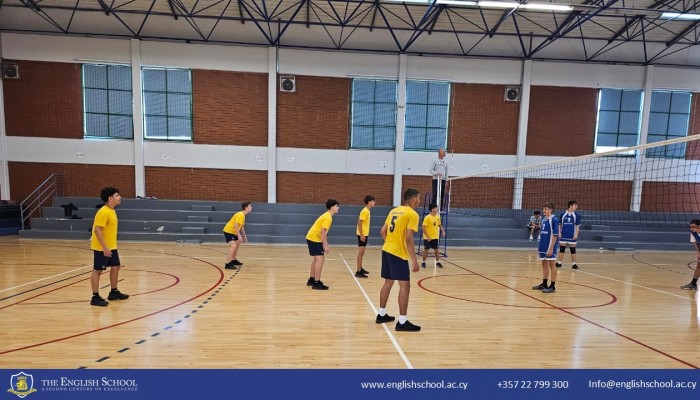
point(351, 384)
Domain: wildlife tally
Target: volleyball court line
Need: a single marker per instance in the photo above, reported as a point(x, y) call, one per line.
point(386, 329)
point(43, 279)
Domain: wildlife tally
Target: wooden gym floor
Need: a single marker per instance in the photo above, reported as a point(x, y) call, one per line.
point(621, 310)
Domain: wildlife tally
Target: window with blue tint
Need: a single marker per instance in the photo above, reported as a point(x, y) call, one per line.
point(668, 119)
point(167, 99)
point(373, 114)
point(619, 118)
point(107, 101)
point(427, 110)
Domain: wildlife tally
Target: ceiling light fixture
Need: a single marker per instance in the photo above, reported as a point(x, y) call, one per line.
point(680, 16)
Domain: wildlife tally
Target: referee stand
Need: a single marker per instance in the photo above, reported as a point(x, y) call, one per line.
point(443, 212)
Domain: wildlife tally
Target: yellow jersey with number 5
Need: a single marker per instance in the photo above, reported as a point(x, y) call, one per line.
point(398, 221)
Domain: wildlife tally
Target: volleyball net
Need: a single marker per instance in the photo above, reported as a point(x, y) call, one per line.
point(656, 184)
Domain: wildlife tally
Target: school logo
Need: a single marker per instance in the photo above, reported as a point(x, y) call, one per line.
point(22, 385)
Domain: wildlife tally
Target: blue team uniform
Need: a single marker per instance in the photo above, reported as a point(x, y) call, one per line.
point(569, 222)
point(549, 228)
point(694, 237)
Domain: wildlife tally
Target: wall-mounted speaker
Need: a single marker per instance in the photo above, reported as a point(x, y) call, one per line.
point(288, 84)
point(10, 71)
point(512, 93)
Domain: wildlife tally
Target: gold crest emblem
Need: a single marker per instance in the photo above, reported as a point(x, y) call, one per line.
point(21, 385)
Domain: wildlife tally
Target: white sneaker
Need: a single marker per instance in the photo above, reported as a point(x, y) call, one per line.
point(538, 238)
point(530, 237)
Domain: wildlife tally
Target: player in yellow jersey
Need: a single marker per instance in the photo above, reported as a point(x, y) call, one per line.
point(104, 246)
point(363, 222)
point(397, 232)
point(432, 228)
point(317, 240)
point(235, 234)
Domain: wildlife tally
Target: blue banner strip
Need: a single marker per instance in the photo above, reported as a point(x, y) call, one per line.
point(37, 384)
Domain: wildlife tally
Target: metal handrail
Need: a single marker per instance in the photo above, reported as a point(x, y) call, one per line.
point(48, 189)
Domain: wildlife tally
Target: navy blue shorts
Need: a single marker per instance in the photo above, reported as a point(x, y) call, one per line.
point(431, 244)
point(315, 248)
point(230, 236)
point(101, 262)
point(360, 243)
point(395, 268)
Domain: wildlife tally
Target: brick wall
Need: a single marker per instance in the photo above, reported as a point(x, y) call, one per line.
point(670, 197)
point(423, 184)
point(481, 122)
point(47, 100)
point(482, 193)
point(562, 121)
point(229, 108)
point(316, 116)
point(693, 150)
point(206, 184)
point(589, 194)
point(311, 188)
point(80, 180)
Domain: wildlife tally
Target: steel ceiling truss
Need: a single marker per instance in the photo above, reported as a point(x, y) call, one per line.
point(405, 23)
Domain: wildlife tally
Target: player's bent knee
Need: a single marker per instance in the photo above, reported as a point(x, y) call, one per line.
point(562, 249)
point(573, 250)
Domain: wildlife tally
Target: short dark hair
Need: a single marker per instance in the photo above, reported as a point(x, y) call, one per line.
point(695, 222)
point(330, 203)
point(537, 212)
point(245, 205)
point(409, 194)
point(431, 206)
point(571, 203)
point(369, 198)
point(108, 192)
point(549, 205)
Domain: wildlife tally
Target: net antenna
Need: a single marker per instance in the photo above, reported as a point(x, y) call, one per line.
point(656, 184)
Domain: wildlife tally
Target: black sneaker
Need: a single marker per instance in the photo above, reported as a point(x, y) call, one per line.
point(422, 265)
point(437, 264)
point(310, 282)
point(549, 290)
point(98, 301)
point(360, 274)
point(574, 266)
point(690, 286)
point(407, 326)
point(558, 264)
point(319, 286)
point(364, 271)
point(117, 295)
point(230, 265)
point(382, 319)
point(236, 262)
point(539, 287)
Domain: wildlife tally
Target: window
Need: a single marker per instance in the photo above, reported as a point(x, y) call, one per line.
point(167, 98)
point(668, 119)
point(427, 110)
point(107, 101)
point(619, 113)
point(373, 121)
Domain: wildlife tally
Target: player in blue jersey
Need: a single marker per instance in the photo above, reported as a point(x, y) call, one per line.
point(547, 250)
point(695, 239)
point(570, 221)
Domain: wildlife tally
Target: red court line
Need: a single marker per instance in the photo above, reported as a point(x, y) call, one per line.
point(622, 335)
point(175, 277)
point(221, 278)
point(420, 283)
